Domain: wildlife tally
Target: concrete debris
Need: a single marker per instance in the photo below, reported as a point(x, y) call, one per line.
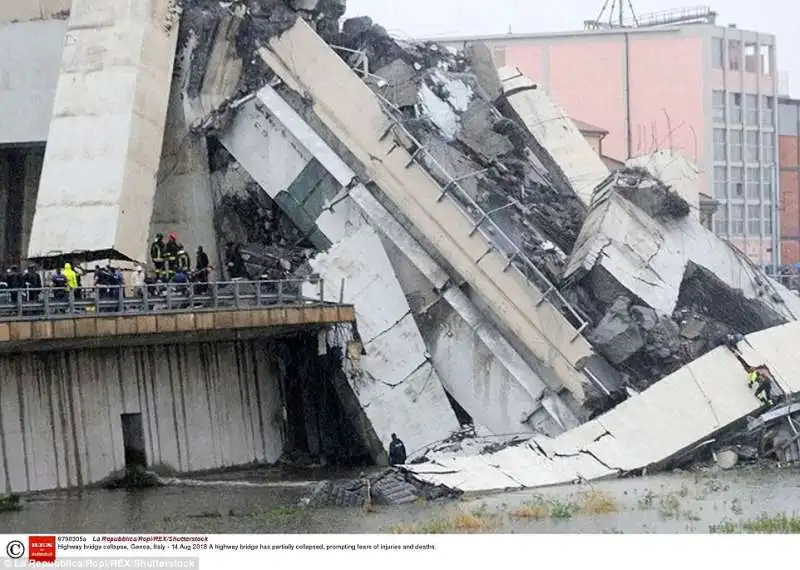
point(675, 172)
point(700, 287)
point(389, 487)
point(651, 194)
point(664, 426)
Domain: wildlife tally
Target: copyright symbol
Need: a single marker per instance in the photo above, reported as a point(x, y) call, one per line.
point(15, 549)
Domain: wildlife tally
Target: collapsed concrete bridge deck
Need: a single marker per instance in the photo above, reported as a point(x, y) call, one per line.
point(676, 414)
point(354, 115)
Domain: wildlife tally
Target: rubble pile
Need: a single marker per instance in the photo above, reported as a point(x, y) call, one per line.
point(648, 344)
point(461, 129)
point(388, 487)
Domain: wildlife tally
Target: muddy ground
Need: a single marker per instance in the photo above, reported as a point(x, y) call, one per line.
point(750, 499)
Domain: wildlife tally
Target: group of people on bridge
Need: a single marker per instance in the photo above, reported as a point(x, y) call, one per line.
point(172, 264)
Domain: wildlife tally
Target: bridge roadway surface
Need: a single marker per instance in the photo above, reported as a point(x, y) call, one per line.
point(227, 310)
point(676, 415)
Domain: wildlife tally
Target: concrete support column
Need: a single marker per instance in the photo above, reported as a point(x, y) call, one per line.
point(4, 192)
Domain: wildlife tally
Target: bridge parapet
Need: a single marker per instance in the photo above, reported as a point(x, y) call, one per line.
point(55, 318)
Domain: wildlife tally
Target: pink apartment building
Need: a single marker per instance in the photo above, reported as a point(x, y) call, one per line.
point(705, 91)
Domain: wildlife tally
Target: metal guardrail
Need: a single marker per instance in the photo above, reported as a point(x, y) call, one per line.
point(111, 300)
point(495, 236)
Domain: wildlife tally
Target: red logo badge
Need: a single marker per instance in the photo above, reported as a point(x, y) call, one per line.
point(42, 549)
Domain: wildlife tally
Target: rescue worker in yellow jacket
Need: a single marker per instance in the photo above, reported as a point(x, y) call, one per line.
point(183, 262)
point(72, 277)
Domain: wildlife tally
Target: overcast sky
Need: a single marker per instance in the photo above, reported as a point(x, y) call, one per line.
point(457, 17)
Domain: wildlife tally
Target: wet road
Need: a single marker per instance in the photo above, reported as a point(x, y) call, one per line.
point(671, 503)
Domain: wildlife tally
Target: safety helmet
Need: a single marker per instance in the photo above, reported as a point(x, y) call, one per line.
point(159, 236)
point(173, 235)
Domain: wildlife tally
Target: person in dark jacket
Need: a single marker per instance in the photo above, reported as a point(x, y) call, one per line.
point(34, 283)
point(202, 270)
point(157, 255)
point(171, 255)
point(397, 451)
point(59, 282)
point(15, 283)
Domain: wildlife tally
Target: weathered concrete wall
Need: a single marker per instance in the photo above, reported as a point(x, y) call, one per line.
point(307, 65)
point(96, 192)
point(30, 66)
point(26, 10)
point(203, 406)
point(676, 172)
point(396, 383)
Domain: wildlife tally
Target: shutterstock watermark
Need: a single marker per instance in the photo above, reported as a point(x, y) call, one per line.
point(95, 563)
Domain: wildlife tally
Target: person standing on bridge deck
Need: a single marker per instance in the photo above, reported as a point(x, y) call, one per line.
point(34, 282)
point(60, 285)
point(71, 277)
point(397, 451)
point(157, 251)
point(202, 269)
point(15, 283)
point(171, 255)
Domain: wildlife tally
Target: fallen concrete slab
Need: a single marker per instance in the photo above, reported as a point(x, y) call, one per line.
point(644, 432)
point(353, 113)
point(104, 144)
point(395, 382)
point(649, 258)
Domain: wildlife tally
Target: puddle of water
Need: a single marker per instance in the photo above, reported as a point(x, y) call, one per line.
point(670, 503)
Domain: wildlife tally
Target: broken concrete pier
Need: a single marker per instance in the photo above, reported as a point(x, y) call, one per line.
point(116, 72)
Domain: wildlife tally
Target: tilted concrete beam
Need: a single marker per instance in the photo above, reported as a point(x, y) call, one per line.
point(354, 115)
point(498, 389)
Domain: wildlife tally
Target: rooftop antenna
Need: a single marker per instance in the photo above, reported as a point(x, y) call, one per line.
point(621, 14)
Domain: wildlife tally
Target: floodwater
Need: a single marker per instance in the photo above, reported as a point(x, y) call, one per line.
point(260, 502)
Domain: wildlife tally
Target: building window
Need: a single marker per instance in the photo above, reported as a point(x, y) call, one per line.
point(736, 108)
point(721, 221)
point(788, 119)
point(717, 59)
point(751, 57)
point(737, 182)
point(768, 146)
point(720, 182)
point(767, 111)
point(736, 146)
point(751, 146)
point(718, 106)
point(720, 140)
point(751, 110)
point(767, 219)
point(754, 220)
point(753, 184)
point(766, 60)
point(737, 219)
point(734, 55)
point(766, 179)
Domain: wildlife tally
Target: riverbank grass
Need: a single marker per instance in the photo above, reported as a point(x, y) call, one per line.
point(10, 504)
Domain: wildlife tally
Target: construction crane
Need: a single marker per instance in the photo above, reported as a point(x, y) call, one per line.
point(614, 12)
